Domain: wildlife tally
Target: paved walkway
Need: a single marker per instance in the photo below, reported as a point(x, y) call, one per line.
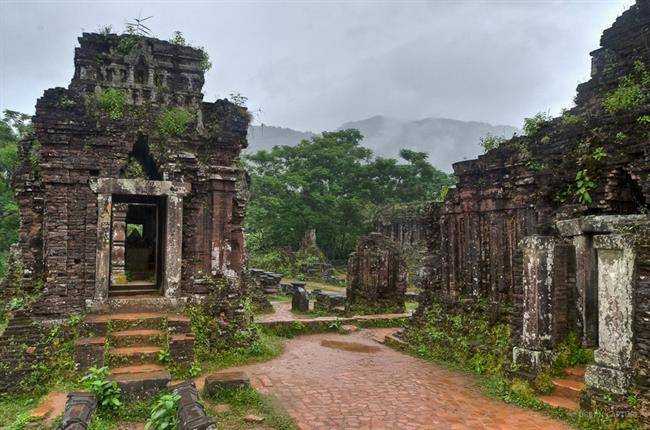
point(332, 381)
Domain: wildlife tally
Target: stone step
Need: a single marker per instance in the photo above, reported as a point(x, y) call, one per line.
point(568, 388)
point(130, 355)
point(577, 373)
point(138, 368)
point(560, 402)
point(128, 320)
point(149, 292)
point(136, 337)
point(141, 385)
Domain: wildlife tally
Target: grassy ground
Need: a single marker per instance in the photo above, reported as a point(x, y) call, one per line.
point(244, 402)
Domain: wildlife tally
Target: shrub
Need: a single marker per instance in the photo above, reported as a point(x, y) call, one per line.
point(163, 413)
point(490, 142)
point(174, 122)
point(535, 123)
point(631, 92)
point(107, 392)
point(112, 101)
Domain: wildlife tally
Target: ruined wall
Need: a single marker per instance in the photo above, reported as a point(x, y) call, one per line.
point(131, 99)
point(518, 189)
point(376, 278)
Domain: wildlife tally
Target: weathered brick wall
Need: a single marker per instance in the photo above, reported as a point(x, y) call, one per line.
point(76, 140)
point(518, 189)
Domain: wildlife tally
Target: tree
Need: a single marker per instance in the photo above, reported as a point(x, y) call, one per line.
point(332, 184)
point(13, 127)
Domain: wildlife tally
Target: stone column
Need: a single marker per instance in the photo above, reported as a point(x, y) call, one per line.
point(616, 259)
point(536, 343)
point(118, 243)
point(104, 209)
point(173, 245)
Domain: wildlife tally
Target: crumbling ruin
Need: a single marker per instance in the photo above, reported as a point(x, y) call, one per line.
point(555, 223)
point(130, 192)
point(376, 276)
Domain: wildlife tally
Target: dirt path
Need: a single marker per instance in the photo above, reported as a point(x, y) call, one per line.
point(331, 381)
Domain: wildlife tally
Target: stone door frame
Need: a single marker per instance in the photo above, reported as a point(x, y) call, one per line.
point(173, 193)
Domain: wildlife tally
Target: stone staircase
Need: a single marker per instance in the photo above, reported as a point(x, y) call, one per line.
point(566, 393)
point(130, 344)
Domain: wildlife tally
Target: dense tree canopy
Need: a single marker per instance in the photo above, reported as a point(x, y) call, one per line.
point(13, 126)
point(332, 184)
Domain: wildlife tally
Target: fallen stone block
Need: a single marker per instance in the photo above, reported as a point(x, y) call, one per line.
point(226, 381)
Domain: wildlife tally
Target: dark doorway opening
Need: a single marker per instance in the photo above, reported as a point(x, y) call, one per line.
point(137, 245)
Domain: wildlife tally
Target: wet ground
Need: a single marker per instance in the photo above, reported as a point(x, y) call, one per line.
point(332, 381)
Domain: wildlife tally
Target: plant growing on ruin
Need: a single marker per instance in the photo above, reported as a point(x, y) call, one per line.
point(238, 99)
point(204, 62)
point(163, 413)
point(632, 91)
point(643, 120)
point(112, 101)
point(105, 30)
point(568, 119)
point(107, 392)
point(535, 123)
point(178, 39)
point(174, 121)
point(535, 165)
point(584, 185)
point(490, 142)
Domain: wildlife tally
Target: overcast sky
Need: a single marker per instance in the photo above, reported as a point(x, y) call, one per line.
point(313, 65)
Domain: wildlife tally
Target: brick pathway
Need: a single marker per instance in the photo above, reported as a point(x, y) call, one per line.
point(326, 388)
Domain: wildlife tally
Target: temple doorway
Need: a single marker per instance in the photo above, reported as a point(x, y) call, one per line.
point(137, 232)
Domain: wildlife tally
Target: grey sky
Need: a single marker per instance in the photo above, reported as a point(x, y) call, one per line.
point(314, 65)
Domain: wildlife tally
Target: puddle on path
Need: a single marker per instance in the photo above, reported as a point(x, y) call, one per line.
point(349, 346)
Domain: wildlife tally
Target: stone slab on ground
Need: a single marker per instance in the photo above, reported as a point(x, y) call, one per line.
point(226, 381)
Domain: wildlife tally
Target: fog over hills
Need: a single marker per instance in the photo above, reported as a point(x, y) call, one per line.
point(445, 140)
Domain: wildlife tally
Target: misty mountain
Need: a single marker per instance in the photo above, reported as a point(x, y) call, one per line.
point(445, 140)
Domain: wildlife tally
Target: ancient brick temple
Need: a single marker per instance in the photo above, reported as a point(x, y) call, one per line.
point(519, 228)
point(129, 189)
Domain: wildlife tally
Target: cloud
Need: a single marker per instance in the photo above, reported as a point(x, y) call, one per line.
point(315, 65)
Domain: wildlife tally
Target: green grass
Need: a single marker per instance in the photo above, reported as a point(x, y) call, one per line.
point(130, 412)
point(245, 402)
point(279, 298)
point(15, 411)
point(267, 348)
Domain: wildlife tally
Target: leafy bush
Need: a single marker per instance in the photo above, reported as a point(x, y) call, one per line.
point(112, 101)
point(490, 142)
point(570, 353)
point(584, 185)
point(174, 122)
point(163, 413)
point(631, 92)
point(537, 122)
point(107, 392)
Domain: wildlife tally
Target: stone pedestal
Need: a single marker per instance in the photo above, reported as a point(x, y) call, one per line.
point(300, 300)
point(613, 358)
